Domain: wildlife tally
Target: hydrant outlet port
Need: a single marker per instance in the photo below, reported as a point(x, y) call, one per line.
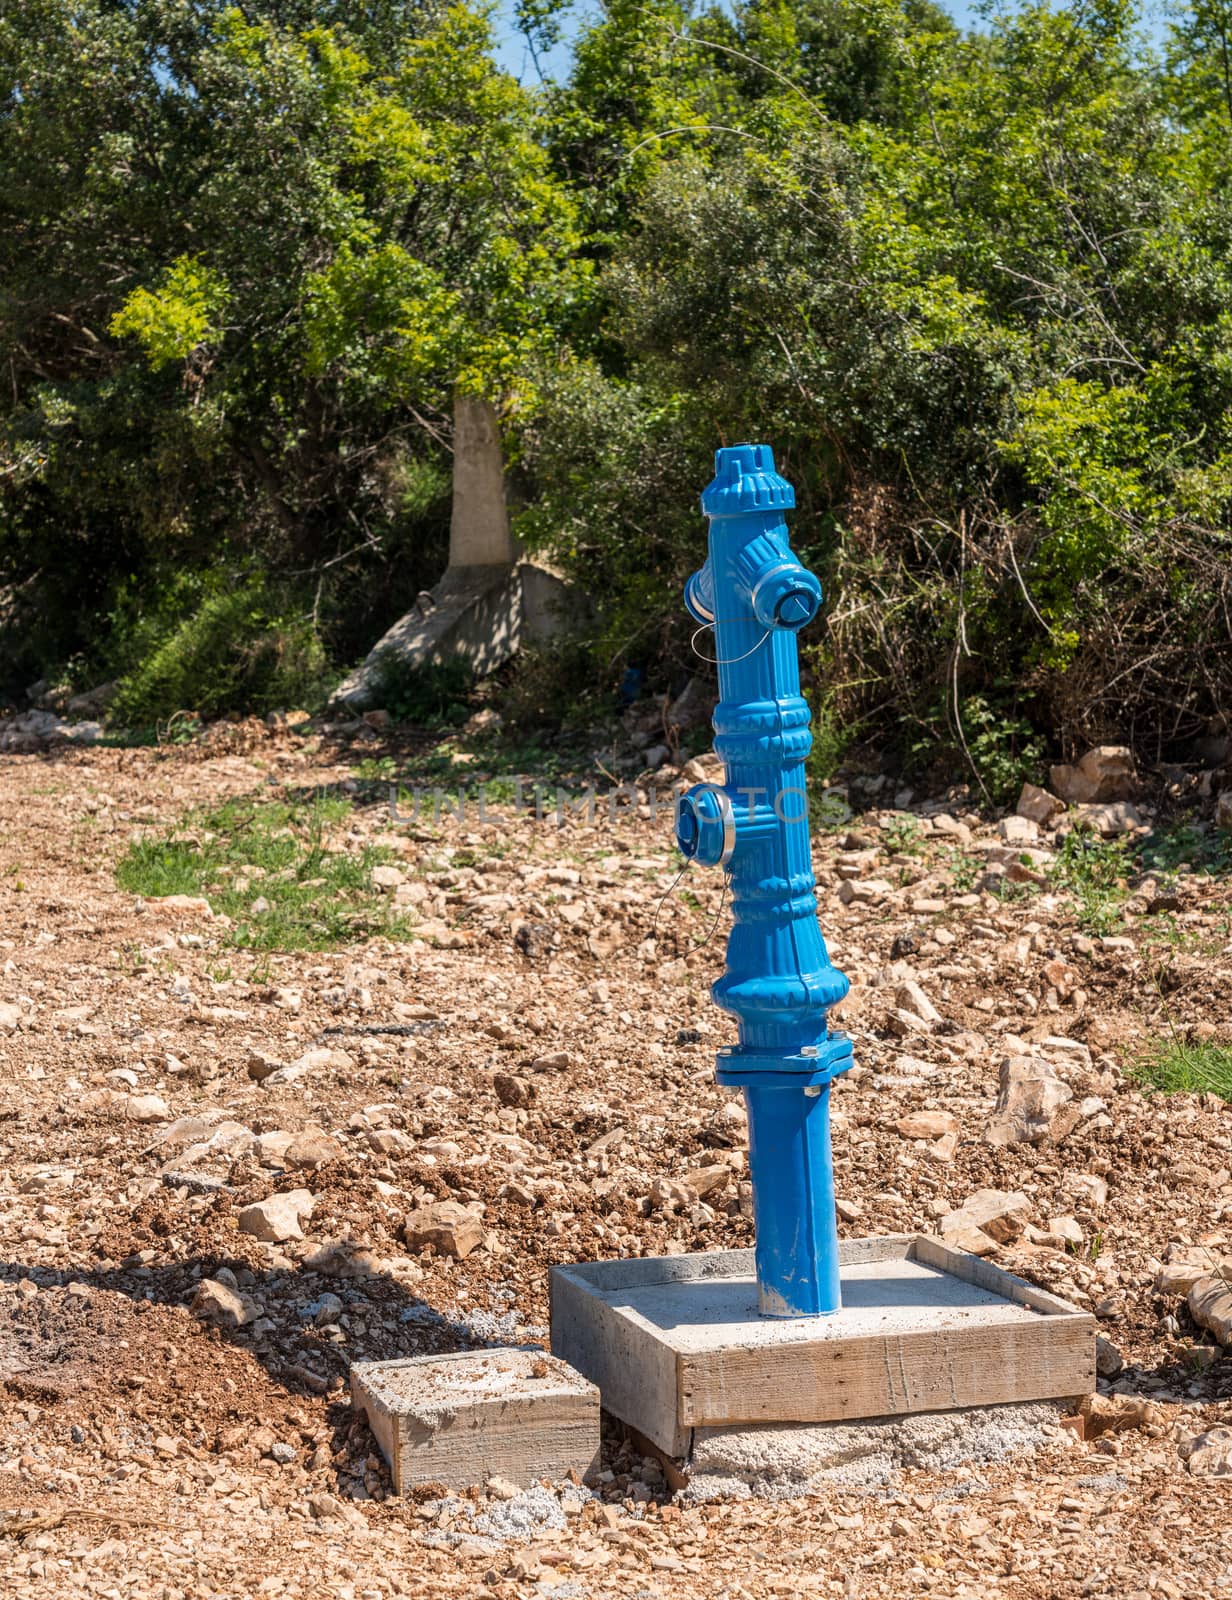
point(706, 826)
point(788, 596)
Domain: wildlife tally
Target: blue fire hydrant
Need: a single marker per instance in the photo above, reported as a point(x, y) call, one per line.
point(779, 982)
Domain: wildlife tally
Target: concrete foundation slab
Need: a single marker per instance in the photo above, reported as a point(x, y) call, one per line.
point(676, 1344)
point(460, 1419)
point(789, 1458)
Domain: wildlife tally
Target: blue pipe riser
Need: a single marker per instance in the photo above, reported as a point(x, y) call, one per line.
point(793, 1201)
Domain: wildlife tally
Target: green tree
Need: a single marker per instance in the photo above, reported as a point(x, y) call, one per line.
point(248, 256)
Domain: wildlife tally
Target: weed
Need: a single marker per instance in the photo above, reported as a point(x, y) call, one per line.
point(131, 957)
point(1179, 1066)
point(1010, 893)
point(429, 696)
point(272, 869)
point(1003, 748)
point(964, 869)
point(1095, 871)
point(902, 837)
point(376, 770)
point(1200, 849)
point(236, 646)
point(1000, 746)
point(831, 741)
point(828, 809)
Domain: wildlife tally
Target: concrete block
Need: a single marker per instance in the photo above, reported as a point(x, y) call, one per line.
point(676, 1344)
point(459, 1419)
point(478, 614)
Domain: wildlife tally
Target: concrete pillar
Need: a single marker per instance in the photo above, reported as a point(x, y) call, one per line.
point(479, 526)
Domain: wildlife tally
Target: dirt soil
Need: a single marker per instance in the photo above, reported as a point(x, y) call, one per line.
point(545, 1056)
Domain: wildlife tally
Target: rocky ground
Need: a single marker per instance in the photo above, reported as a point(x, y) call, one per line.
point(209, 1156)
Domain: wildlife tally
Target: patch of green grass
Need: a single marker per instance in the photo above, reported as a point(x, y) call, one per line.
point(1164, 934)
point(1181, 1067)
point(316, 894)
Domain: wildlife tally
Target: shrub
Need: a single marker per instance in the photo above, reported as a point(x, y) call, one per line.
point(244, 649)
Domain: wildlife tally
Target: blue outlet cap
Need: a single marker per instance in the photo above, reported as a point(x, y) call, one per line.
point(745, 480)
point(706, 825)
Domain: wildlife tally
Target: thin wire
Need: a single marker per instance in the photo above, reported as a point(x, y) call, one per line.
point(671, 888)
point(729, 661)
point(714, 925)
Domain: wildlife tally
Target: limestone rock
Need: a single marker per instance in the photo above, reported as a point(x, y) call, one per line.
point(1086, 1187)
point(1066, 1229)
point(705, 1181)
point(389, 1141)
point(318, 1059)
point(729, 1125)
point(1109, 1362)
point(1209, 1454)
point(387, 878)
point(270, 1148)
point(869, 892)
point(342, 1258)
point(1033, 1104)
point(512, 1090)
point(451, 1229)
point(1001, 1215)
point(220, 1304)
point(1038, 806)
point(1061, 977)
point(910, 997)
point(147, 1108)
point(312, 1148)
point(1118, 816)
point(279, 1217)
point(557, 1061)
point(1180, 1276)
point(973, 1240)
point(1105, 773)
point(926, 1125)
point(1210, 1305)
point(1016, 830)
point(668, 1196)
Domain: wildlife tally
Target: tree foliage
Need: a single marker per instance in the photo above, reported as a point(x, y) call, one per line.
point(246, 256)
point(974, 286)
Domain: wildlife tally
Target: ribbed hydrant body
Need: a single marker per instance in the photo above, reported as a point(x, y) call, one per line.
point(779, 982)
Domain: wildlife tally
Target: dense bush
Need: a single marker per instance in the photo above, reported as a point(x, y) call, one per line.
point(975, 291)
point(975, 288)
